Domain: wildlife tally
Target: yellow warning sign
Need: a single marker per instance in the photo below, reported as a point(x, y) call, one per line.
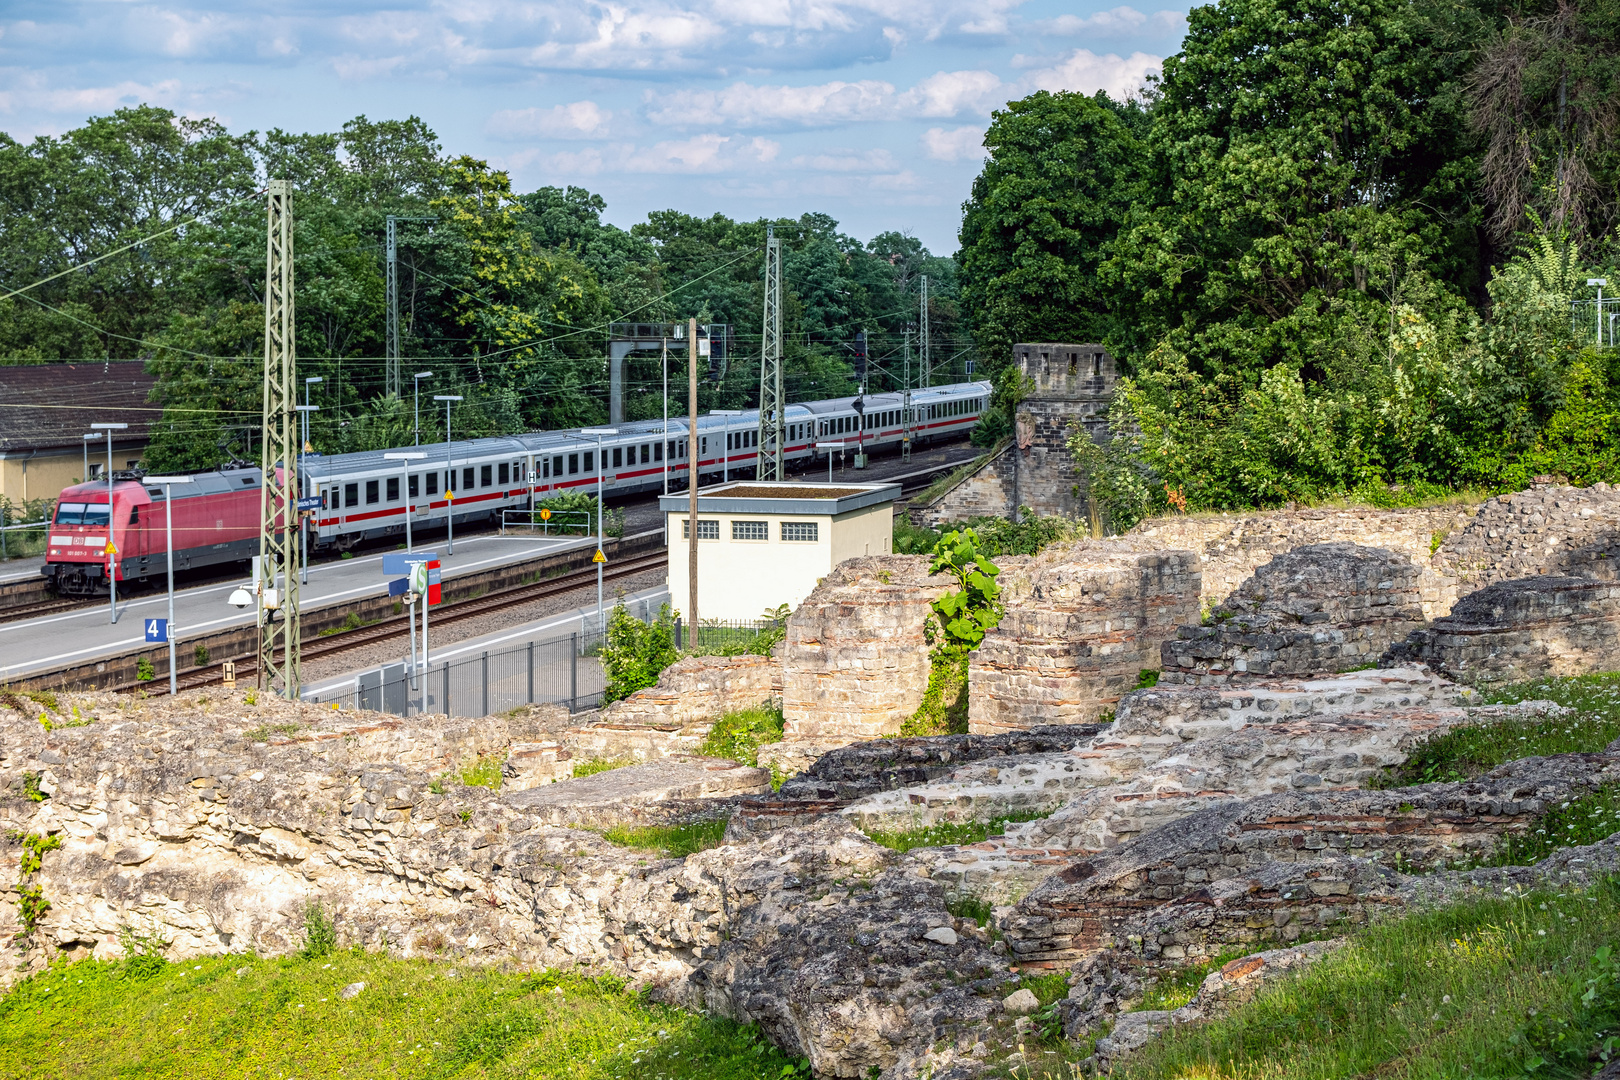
point(449, 496)
point(545, 515)
point(599, 557)
point(110, 549)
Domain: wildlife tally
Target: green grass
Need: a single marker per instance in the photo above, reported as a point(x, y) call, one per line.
point(483, 771)
point(943, 833)
point(263, 732)
point(737, 736)
point(1506, 986)
point(1465, 753)
point(672, 841)
point(600, 764)
point(414, 1021)
point(1581, 821)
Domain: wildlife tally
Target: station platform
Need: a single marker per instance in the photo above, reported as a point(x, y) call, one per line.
point(14, 570)
point(50, 642)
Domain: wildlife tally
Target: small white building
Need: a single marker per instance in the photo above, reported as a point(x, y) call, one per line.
point(761, 545)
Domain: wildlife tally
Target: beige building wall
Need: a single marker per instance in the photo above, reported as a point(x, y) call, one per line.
point(42, 474)
point(740, 579)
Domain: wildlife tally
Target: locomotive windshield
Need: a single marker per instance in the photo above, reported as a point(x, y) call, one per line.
point(95, 514)
point(70, 513)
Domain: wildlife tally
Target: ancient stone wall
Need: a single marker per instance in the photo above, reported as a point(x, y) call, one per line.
point(987, 491)
point(1315, 610)
point(1548, 529)
point(1082, 621)
point(1523, 629)
point(855, 663)
point(1235, 545)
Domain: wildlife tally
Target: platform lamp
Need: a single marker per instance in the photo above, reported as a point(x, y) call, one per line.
point(725, 459)
point(601, 624)
point(405, 457)
point(168, 483)
point(308, 408)
point(84, 477)
point(416, 382)
point(303, 523)
point(449, 478)
point(112, 549)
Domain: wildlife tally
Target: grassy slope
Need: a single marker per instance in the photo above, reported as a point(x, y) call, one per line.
point(1505, 986)
point(283, 1018)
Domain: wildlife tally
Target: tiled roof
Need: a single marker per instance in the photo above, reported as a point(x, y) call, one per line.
point(50, 405)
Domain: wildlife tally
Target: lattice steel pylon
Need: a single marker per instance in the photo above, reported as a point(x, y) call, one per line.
point(925, 358)
point(277, 591)
point(772, 402)
point(391, 317)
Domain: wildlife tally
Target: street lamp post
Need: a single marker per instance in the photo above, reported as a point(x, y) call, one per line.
point(601, 625)
point(84, 478)
point(416, 382)
point(303, 522)
point(449, 477)
point(830, 447)
point(168, 483)
point(405, 457)
point(112, 548)
point(664, 344)
point(725, 460)
point(308, 408)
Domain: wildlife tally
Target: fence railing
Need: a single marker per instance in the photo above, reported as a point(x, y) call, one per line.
point(557, 523)
point(31, 540)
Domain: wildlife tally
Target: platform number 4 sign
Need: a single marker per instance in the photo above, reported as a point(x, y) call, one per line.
point(157, 629)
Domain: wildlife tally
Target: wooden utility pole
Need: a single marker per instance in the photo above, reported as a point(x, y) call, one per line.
point(692, 445)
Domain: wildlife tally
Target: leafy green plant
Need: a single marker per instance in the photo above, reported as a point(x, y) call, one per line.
point(199, 656)
point(674, 841)
point(635, 653)
point(251, 697)
point(143, 954)
point(484, 771)
point(599, 765)
point(263, 732)
point(31, 789)
point(958, 624)
point(144, 671)
point(31, 903)
point(320, 933)
point(738, 735)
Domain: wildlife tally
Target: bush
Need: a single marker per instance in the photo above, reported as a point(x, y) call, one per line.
point(737, 736)
point(636, 653)
point(580, 502)
point(144, 671)
point(957, 626)
point(320, 933)
point(997, 536)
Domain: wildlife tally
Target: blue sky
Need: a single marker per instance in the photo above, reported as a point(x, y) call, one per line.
point(869, 110)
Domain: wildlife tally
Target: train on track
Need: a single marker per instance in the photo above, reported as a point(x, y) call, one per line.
point(365, 496)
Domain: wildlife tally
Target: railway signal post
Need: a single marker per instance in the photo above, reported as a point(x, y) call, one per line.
point(449, 476)
point(112, 549)
point(168, 483)
point(599, 559)
point(405, 457)
point(279, 457)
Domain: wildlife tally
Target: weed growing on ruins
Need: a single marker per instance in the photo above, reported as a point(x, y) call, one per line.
point(144, 671)
point(944, 833)
point(1178, 988)
point(483, 771)
point(320, 933)
point(1147, 679)
point(1465, 753)
point(673, 841)
point(31, 789)
point(1586, 820)
point(143, 954)
point(31, 902)
point(997, 535)
point(737, 736)
point(600, 764)
point(957, 626)
point(1506, 986)
point(635, 653)
point(964, 906)
point(225, 1017)
point(264, 732)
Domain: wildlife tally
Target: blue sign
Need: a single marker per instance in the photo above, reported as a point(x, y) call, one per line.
point(157, 629)
point(435, 577)
point(399, 586)
point(312, 502)
point(399, 562)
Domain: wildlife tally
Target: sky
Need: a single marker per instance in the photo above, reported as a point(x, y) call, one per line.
point(872, 111)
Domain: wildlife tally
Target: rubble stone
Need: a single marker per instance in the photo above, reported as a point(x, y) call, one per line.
point(1523, 629)
point(1552, 530)
point(1318, 609)
point(674, 715)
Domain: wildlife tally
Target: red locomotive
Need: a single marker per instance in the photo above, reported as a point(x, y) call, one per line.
point(216, 520)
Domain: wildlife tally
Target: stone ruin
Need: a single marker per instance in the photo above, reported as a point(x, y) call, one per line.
point(1145, 829)
point(1318, 609)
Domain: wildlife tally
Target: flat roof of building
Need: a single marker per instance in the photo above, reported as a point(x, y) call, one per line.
point(753, 497)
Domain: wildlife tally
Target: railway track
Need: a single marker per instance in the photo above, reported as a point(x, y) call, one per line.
point(44, 607)
point(399, 625)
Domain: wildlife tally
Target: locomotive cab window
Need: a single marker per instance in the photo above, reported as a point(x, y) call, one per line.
point(69, 513)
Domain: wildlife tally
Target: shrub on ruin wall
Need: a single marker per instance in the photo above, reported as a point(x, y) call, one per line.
point(635, 653)
point(957, 626)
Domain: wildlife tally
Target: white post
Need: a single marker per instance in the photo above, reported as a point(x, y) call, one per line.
point(405, 458)
point(601, 621)
point(725, 461)
point(449, 478)
point(111, 552)
point(303, 523)
point(168, 483)
point(664, 342)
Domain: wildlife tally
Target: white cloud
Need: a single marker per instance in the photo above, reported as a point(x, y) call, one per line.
point(953, 144)
point(700, 154)
point(950, 93)
point(1086, 72)
point(747, 105)
point(1116, 22)
point(576, 120)
point(350, 66)
point(849, 161)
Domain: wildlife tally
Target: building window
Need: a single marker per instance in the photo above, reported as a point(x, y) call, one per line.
point(506, 473)
point(707, 530)
point(466, 479)
point(750, 530)
point(393, 489)
point(432, 483)
point(351, 494)
point(371, 492)
point(801, 530)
